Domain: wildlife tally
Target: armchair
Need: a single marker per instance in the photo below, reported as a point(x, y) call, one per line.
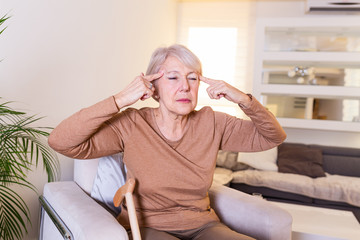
point(68, 211)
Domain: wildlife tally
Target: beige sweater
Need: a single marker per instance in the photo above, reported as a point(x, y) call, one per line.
point(173, 178)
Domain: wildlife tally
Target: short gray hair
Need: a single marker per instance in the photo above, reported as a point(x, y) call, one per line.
point(188, 58)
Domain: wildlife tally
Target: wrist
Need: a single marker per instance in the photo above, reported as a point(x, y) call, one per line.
point(119, 101)
point(246, 102)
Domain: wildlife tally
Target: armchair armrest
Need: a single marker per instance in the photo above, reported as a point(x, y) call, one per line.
point(249, 215)
point(85, 218)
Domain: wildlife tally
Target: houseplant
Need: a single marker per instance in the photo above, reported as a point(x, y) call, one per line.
point(22, 146)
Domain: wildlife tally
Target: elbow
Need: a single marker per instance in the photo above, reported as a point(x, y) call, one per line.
point(50, 142)
point(282, 136)
point(277, 137)
point(57, 145)
point(60, 144)
point(53, 142)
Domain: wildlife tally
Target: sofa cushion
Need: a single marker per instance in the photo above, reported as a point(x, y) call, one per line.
point(332, 187)
point(293, 183)
point(270, 193)
point(222, 176)
point(228, 160)
point(349, 166)
point(338, 188)
point(300, 160)
point(332, 156)
point(110, 176)
point(265, 160)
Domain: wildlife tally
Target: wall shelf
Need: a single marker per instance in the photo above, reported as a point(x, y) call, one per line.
point(313, 58)
point(310, 91)
point(332, 50)
point(320, 124)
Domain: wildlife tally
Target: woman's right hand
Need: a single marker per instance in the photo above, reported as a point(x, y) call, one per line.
point(140, 88)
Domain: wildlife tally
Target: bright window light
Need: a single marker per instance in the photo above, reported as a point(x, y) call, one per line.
point(217, 48)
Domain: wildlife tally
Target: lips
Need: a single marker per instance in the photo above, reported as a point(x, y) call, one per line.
point(183, 100)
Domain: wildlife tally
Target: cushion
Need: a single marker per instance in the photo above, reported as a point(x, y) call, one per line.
point(338, 188)
point(110, 176)
point(228, 160)
point(300, 160)
point(222, 176)
point(265, 160)
point(332, 187)
point(293, 183)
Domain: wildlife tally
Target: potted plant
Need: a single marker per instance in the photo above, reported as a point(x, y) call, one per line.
point(22, 146)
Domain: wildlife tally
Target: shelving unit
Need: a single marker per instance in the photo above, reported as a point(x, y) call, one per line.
point(325, 52)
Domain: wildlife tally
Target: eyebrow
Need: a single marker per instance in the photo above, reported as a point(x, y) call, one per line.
point(174, 71)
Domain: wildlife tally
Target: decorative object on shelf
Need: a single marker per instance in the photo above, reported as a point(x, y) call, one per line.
point(302, 72)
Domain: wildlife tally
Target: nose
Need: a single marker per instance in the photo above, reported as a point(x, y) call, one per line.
point(184, 85)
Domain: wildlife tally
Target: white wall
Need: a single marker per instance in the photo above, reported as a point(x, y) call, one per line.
point(60, 56)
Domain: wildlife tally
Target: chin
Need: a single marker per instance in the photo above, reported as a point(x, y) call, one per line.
point(185, 110)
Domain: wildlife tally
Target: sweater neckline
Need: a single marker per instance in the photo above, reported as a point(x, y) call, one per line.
point(173, 144)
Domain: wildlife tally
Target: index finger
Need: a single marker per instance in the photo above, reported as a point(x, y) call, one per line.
point(207, 80)
point(155, 76)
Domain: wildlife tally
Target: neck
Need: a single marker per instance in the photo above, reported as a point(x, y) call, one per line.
point(172, 126)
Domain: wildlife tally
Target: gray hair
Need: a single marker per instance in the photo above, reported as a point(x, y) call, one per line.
point(188, 58)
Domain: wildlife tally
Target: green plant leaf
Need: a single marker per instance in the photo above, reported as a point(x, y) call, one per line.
point(22, 146)
point(12, 222)
point(2, 20)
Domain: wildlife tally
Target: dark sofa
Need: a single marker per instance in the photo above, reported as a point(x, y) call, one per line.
point(335, 160)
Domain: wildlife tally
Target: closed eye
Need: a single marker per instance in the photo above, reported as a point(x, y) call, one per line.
point(172, 78)
point(192, 77)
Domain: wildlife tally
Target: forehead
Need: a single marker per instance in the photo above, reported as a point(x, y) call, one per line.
point(173, 64)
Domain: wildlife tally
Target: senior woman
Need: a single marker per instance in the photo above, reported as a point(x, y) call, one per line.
point(170, 150)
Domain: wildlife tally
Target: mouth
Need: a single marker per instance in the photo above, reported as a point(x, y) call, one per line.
point(183, 100)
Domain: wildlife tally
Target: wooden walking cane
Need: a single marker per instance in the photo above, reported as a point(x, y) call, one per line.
point(126, 191)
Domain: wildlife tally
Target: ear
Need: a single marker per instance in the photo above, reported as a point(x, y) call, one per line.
point(156, 96)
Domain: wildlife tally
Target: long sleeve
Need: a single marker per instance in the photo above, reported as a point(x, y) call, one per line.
point(172, 193)
point(261, 133)
point(86, 134)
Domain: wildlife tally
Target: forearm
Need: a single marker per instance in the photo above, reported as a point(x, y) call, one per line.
point(265, 122)
point(81, 135)
point(262, 133)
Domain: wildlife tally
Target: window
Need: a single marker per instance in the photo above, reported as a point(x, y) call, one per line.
point(218, 63)
point(220, 34)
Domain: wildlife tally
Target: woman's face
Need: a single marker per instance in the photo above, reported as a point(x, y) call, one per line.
point(178, 87)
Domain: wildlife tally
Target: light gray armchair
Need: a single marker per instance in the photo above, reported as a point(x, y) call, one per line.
point(68, 211)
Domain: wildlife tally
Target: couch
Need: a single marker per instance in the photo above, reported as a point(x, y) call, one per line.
point(74, 210)
point(317, 175)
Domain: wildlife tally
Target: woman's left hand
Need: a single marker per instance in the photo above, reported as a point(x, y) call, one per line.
point(218, 89)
